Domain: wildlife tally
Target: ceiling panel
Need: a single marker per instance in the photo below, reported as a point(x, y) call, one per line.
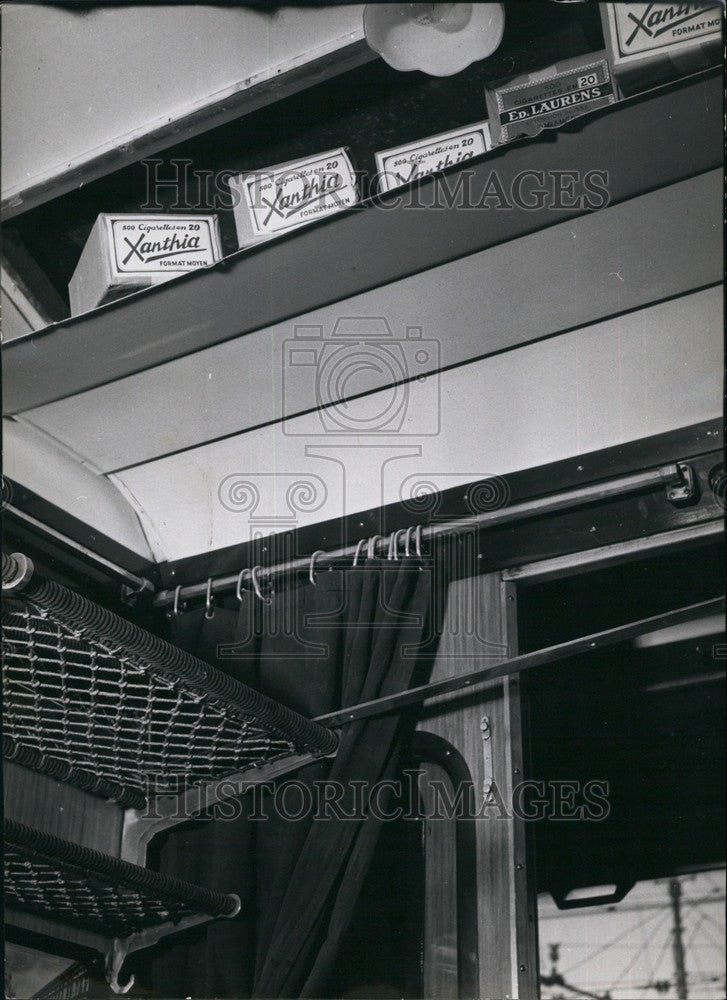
point(626, 378)
point(35, 461)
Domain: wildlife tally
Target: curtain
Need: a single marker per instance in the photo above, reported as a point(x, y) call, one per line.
point(351, 637)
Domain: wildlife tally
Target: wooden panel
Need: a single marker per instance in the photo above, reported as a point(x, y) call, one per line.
point(475, 633)
point(523, 888)
point(61, 810)
point(440, 973)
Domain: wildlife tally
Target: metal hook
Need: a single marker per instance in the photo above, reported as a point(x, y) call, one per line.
point(396, 542)
point(114, 960)
point(359, 546)
point(208, 610)
point(311, 567)
point(418, 540)
point(239, 588)
point(371, 546)
point(407, 540)
point(175, 606)
point(256, 586)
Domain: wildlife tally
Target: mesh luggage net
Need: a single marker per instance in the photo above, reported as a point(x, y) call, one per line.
point(75, 885)
point(97, 702)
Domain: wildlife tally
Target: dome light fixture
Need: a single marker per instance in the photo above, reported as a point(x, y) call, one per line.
point(440, 39)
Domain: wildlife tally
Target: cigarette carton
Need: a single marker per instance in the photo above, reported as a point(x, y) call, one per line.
point(525, 105)
point(276, 200)
point(402, 164)
point(652, 43)
point(125, 253)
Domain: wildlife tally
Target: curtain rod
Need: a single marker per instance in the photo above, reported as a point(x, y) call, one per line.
point(677, 474)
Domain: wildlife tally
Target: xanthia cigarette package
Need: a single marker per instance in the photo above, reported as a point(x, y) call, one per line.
point(402, 164)
point(278, 199)
point(127, 252)
point(652, 43)
point(525, 105)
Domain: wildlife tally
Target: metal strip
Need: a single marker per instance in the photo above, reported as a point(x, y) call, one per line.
point(606, 555)
point(140, 825)
point(539, 657)
point(139, 583)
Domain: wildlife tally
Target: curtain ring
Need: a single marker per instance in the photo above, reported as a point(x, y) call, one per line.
point(396, 542)
point(208, 610)
point(392, 553)
point(175, 606)
point(418, 540)
point(407, 540)
point(256, 586)
point(390, 548)
point(359, 546)
point(371, 546)
point(239, 588)
point(311, 566)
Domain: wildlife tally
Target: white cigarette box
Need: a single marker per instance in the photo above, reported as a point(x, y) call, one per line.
point(125, 253)
point(403, 164)
point(652, 43)
point(276, 200)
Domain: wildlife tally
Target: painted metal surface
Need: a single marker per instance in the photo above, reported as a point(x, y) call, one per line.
point(151, 76)
point(572, 274)
point(36, 461)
